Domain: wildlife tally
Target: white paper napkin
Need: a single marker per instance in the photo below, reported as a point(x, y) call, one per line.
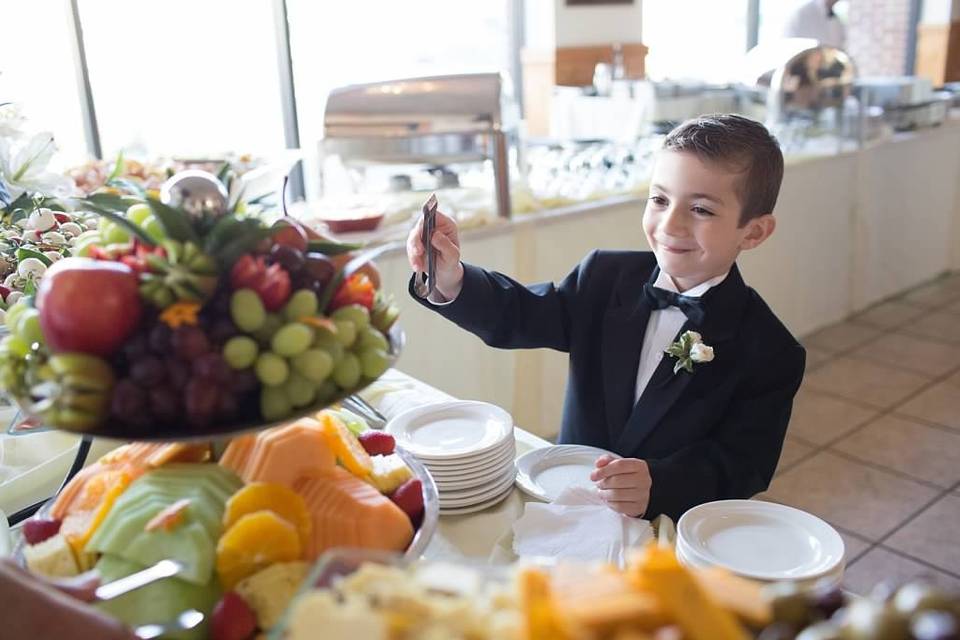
point(578, 525)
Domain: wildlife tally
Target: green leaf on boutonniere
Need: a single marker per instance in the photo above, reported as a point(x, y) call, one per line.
point(675, 350)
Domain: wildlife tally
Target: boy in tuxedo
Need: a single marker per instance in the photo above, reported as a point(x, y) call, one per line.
point(706, 421)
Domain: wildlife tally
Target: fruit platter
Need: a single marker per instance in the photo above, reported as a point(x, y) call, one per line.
point(244, 529)
point(183, 318)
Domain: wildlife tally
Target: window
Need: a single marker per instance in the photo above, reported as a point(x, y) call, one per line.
point(184, 77)
point(695, 39)
point(37, 72)
point(371, 40)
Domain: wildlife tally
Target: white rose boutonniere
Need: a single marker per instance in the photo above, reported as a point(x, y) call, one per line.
point(689, 350)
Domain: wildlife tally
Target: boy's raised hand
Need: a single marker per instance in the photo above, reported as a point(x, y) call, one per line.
point(446, 241)
point(623, 483)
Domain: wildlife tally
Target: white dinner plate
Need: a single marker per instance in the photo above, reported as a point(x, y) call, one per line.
point(760, 540)
point(472, 468)
point(467, 498)
point(503, 477)
point(507, 447)
point(480, 506)
point(545, 473)
point(451, 430)
point(488, 477)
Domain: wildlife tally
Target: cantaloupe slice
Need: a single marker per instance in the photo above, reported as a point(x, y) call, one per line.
point(348, 512)
point(281, 455)
point(91, 507)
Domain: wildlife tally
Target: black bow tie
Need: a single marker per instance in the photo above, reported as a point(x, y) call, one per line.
point(659, 298)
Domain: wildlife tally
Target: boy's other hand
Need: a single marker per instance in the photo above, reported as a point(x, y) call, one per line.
point(623, 483)
point(446, 241)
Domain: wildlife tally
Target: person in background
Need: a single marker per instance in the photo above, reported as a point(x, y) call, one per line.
point(39, 609)
point(816, 19)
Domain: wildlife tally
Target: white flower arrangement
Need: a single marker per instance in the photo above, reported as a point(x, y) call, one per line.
point(689, 350)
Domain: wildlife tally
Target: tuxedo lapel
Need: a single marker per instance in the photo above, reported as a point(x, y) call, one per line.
point(621, 341)
point(724, 308)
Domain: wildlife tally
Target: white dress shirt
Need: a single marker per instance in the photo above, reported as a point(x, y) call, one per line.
point(812, 19)
point(662, 328)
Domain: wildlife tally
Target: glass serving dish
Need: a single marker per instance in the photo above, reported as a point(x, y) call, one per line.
point(24, 423)
point(474, 581)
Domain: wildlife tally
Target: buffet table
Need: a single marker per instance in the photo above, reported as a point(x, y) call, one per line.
point(33, 467)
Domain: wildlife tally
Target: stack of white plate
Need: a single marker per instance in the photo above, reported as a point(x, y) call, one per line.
point(761, 540)
point(468, 447)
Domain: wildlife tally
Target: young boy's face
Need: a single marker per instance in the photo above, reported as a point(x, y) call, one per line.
point(692, 219)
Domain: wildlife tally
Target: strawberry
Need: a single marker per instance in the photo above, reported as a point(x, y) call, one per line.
point(37, 530)
point(377, 443)
point(4, 292)
point(409, 497)
point(232, 618)
point(274, 288)
point(61, 217)
point(247, 272)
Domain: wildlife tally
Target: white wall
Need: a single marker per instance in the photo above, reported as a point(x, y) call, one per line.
point(940, 11)
point(551, 23)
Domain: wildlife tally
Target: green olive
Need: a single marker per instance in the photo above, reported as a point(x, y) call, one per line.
point(789, 604)
point(870, 620)
point(921, 596)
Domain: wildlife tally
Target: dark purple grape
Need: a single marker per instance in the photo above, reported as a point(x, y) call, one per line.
point(290, 258)
point(228, 406)
point(159, 339)
point(222, 331)
point(244, 381)
point(212, 367)
point(320, 267)
point(178, 373)
point(136, 347)
point(202, 398)
point(128, 402)
point(220, 305)
point(190, 343)
point(165, 404)
point(828, 600)
point(147, 371)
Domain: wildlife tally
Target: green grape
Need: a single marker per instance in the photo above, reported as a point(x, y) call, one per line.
point(137, 213)
point(13, 315)
point(300, 391)
point(373, 362)
point(246, 310)
point(327, 391)
point(82, 249)
point(329, 343)
point(355, 313)
point(240, 352)
point(371, 337)
point(313, 364)
point(292, 339)
point(274, 404)
point(28, 327)
point(152, 226)
point(114, 234)
point(347, 372)
point(272, 369)
point(302, 304)
point(271, 325)
point(17, 346)
point(346, 332)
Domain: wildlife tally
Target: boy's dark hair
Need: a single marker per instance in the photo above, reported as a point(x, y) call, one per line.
point(742, 146)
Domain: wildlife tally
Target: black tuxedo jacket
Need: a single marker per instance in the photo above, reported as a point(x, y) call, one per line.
point(712, 434)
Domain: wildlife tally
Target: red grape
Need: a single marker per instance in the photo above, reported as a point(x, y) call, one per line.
point(165, 403)
point(211, 366)
point(223, 330)
point(178, 373)
point(147, 371)
point(190, 342)
point(128, 401)
point(320, 267)
point(290, 258)
point(244, 381)
point(159, 338)
point(36, 530)
point(202, 399)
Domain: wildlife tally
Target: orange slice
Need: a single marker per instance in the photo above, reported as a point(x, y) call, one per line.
point(254, 542)
point(92, 507)
point(267, 496)
point(345, 445)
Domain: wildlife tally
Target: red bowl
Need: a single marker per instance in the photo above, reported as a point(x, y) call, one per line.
point(348, 225)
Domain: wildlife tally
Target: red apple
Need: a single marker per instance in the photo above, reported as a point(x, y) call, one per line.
point(90, 306)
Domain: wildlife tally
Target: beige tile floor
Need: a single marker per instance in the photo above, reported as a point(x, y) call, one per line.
point(873, 446)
